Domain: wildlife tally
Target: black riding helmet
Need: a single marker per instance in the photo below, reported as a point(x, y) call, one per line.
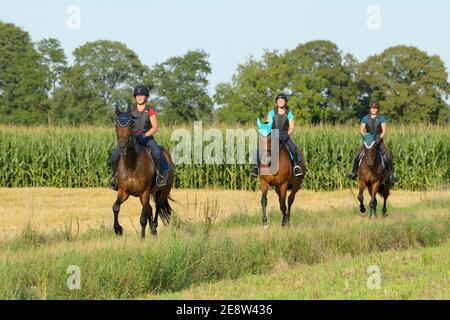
point(141, 90)
point(282, 96)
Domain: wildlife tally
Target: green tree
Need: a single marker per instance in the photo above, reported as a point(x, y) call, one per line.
point(22, 78)
point(181, 84)
point(411, 85)
point(54, 58)
point(315, 75)
point(104, 72)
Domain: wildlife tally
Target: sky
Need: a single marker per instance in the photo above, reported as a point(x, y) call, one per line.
point(232, 31)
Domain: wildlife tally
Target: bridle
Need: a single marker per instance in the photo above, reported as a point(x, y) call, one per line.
point(125, 123)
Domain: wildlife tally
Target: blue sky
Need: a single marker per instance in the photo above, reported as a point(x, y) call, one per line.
point(233, 30)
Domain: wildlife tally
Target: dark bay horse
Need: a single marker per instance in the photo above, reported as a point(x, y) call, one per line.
point(372, 175)
point(282, 180)
point(136, 177)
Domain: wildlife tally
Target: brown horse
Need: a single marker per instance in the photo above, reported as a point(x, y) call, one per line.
point(136, 177)
point(372, 175)
point(281, 180)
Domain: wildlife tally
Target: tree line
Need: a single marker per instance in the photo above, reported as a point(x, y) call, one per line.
point(38, 86)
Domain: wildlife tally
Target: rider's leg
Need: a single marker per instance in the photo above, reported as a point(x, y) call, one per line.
point(158, 157)
point(112, 182)
point(293, 149)
point(354, 172)
point(390, 162)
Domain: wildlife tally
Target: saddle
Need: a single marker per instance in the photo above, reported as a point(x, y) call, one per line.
point(165, 163)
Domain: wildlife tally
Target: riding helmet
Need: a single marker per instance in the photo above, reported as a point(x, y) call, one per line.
point(141, 90)
point(282, 96)
point(375, 105)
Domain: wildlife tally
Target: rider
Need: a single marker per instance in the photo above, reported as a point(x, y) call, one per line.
point(283, 120)
point(145, 124)
point(374, 123)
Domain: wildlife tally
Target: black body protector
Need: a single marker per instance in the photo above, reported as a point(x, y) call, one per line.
point(374, 125)
point(141, 120)
point(281, 121)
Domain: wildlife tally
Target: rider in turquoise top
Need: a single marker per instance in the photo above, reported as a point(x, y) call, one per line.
point(374, 123)
point(283, 120)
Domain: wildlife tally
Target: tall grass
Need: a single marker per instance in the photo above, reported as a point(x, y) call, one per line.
point(181, 258)
point(79, 157)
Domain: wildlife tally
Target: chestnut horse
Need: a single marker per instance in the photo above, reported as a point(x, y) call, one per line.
point(282, 180)
point(372, 175)
point(136, 177)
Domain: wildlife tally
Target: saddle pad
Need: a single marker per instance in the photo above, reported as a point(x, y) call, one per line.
point(165, 163)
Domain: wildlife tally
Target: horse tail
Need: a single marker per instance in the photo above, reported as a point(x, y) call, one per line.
point(165, 209)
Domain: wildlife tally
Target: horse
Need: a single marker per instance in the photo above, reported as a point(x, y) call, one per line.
point(136, 177)
point(371, 174)
point(281, 180)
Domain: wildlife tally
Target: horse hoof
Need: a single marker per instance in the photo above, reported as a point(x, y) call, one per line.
point(118, 230)
point(154, 234)
point(385, 215)
point(266, 227)
point(362, 210)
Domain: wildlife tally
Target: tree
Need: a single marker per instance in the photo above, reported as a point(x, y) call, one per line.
point(315, 75)
point(22, 78)
point(411, 85)
point(104, 73)
point(54, 58)
point(181, 84)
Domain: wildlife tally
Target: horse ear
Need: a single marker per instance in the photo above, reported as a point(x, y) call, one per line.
point(117, 109)
point(129, 108)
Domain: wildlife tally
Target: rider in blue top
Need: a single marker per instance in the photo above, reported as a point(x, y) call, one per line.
point(283, 120)
point(374, 123)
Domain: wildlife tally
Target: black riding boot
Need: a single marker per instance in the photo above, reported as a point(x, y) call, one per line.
point(392, 179)
point(354, 173)
point(112, 181)
point(297, 169)
point(161, 180)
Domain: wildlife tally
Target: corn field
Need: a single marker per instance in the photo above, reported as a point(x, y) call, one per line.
point(79, 158)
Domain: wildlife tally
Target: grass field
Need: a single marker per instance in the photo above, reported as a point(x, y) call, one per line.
point(325, 254)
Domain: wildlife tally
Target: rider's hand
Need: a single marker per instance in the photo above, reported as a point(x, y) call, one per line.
point(378, 140)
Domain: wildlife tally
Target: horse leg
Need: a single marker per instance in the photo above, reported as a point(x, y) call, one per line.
point(264, 189)
point(278, 191)
point(373, 200)
point(121, 198)
point(290, 202)
point(283, 208)
point(362, 186)
point(145, 198)
point(385, 194)
point(154, 225)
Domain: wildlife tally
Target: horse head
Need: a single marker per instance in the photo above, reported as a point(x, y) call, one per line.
point(265, 135)
point(370, 150)
point(124, 130)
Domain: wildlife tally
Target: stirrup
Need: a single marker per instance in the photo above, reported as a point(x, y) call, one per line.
point(161, 181)
point(351, 176)
point(298, 171)
point(255, 173)
point(112, 183)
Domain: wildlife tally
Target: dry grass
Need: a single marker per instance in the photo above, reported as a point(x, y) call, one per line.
point(50, 209)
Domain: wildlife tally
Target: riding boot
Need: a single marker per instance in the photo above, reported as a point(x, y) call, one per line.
point(161, 180)
point(392, 179)
point(354, 173)
point(297, 169)
point(112, 181)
